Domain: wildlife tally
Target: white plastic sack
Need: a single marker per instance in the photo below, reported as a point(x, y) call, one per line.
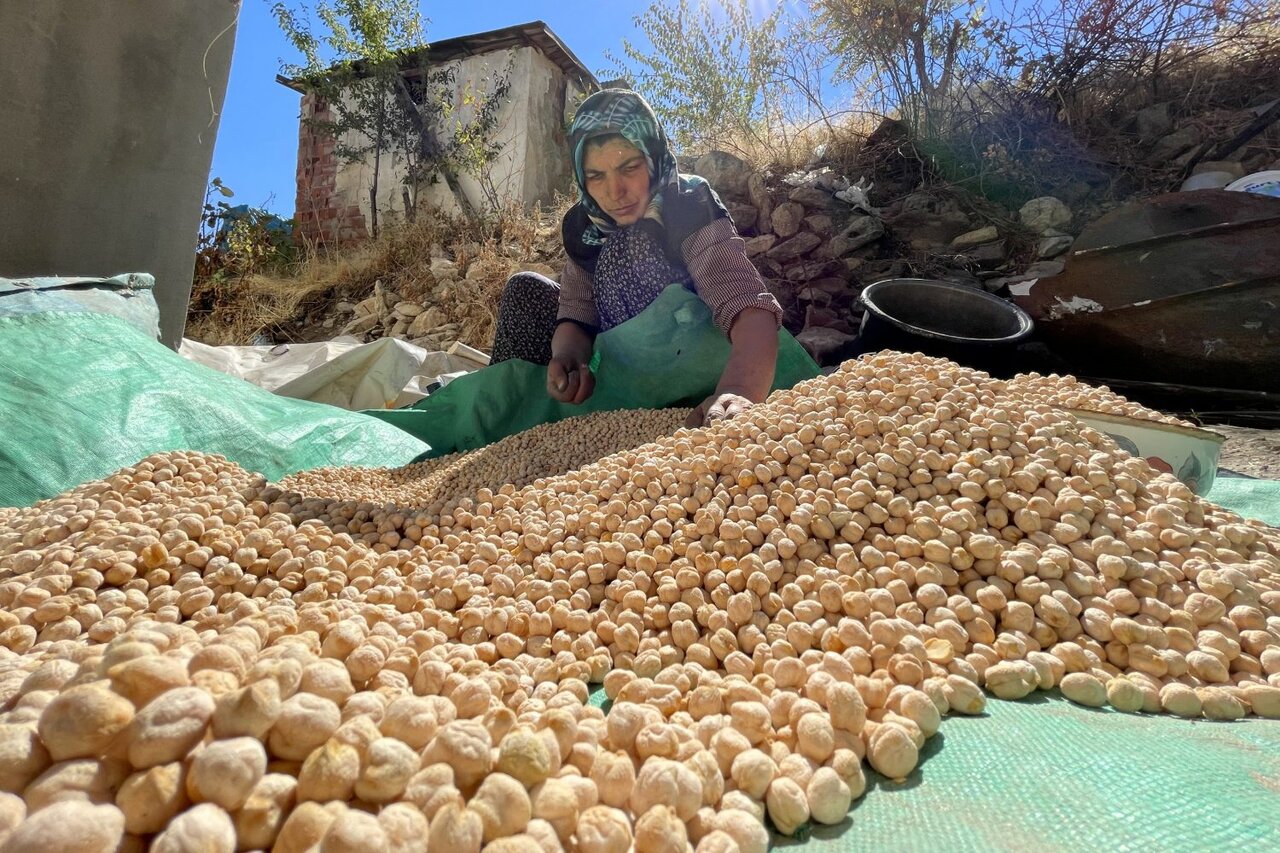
point(386, 374)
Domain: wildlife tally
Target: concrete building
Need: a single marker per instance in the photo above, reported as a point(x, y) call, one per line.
point(546, 83)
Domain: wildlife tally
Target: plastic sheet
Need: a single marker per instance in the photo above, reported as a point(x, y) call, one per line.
point(83, 394)
point(344, 372)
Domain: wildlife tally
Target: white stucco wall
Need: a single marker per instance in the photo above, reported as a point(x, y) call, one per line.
point(532, 162)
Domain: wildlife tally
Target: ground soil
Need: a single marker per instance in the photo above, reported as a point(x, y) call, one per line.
point(1253, 452)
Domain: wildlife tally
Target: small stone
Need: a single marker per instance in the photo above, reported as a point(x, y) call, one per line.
point(820, 224)
point(823, 343)
point(727, 174)
point(812, 197)
point(443, 268)
point(786, 219)
point(1174, 144)
point(1044, 213)
point(408, 309)
point(988, 254)
point(976, 238)
point(744, 216)
point(758, 193)
point(329, 322)
point(425, 322)
point(761, 244)
point(1051, 247)
point(861, 231)
point(797, 246)
point(346, 307)
point(360, 325)
point(398, 330)
point(1154, 122)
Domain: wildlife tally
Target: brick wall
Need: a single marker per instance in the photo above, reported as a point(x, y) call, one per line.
point(322, 216)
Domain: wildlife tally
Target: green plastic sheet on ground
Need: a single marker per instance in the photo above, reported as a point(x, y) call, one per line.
point(671, 354)
point(82, 395)
point(1045, 774)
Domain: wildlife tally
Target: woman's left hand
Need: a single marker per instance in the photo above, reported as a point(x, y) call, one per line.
point(719, 406)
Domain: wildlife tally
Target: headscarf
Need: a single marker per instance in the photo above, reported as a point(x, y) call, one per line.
point(625, 113)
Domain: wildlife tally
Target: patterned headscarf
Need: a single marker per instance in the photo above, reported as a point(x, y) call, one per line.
point(622, 112)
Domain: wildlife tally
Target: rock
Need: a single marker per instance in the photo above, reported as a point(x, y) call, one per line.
point(1052, 246)
point(988, 255)
point(761, 244)
point(760, 200)
point(812, 197)
point(805, 270)
point(801, 244)
point(976, 238)
point(1174, 144)
point(727, 174)
point(786, 219)
point(443, 268)
point(329, 322)
point(1044, 213)
point(360, 325)
point(822, 343)
point(367, 306)
point(820, 224)
point(346, 307)
point(861, 231)
point(831, 286)
point(408, 309)
point(744, 216)
point(1154, 122)
point(425, 322)
point(401, 326)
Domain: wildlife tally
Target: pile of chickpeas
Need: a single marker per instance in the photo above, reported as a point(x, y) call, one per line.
point(194, 658)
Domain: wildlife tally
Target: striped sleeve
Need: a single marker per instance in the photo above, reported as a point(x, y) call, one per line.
point(577, 300)
point(723, 275)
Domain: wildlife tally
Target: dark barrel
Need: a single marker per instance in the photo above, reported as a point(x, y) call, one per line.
point(944, 319)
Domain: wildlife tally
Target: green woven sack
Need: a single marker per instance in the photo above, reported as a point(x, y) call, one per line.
point(84, 394)
point(670, 355)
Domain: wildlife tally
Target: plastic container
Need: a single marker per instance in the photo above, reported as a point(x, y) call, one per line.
point(1189, 454)
point(942, 318)
point(1262, 183)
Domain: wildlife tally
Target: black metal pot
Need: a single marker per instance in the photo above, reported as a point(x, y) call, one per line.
point(945, 319)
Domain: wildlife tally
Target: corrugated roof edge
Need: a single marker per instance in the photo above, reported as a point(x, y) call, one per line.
point(533, 34)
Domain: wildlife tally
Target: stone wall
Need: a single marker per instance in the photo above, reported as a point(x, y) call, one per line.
point(818, 239)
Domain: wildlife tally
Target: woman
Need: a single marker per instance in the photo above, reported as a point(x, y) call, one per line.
point(639, 226)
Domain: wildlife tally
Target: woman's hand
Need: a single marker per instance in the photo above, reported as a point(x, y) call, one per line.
point(748, 374)
point(569, 377)
point(717, 407)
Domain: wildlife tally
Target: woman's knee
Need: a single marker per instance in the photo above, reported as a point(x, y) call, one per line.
point(529, 285)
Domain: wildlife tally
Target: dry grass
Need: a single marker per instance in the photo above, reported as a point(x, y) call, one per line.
point(293, 307)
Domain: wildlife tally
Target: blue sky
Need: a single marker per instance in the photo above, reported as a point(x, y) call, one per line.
point(256, 152)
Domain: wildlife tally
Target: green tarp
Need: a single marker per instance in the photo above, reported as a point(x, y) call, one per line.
point(670, 355)
point(82, 395)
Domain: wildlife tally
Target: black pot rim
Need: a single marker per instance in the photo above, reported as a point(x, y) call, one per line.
point(1025, 324)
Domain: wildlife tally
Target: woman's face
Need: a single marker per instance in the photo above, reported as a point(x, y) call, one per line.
point(617, 179)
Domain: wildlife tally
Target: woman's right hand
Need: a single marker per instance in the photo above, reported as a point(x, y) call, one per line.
point(569, 379)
